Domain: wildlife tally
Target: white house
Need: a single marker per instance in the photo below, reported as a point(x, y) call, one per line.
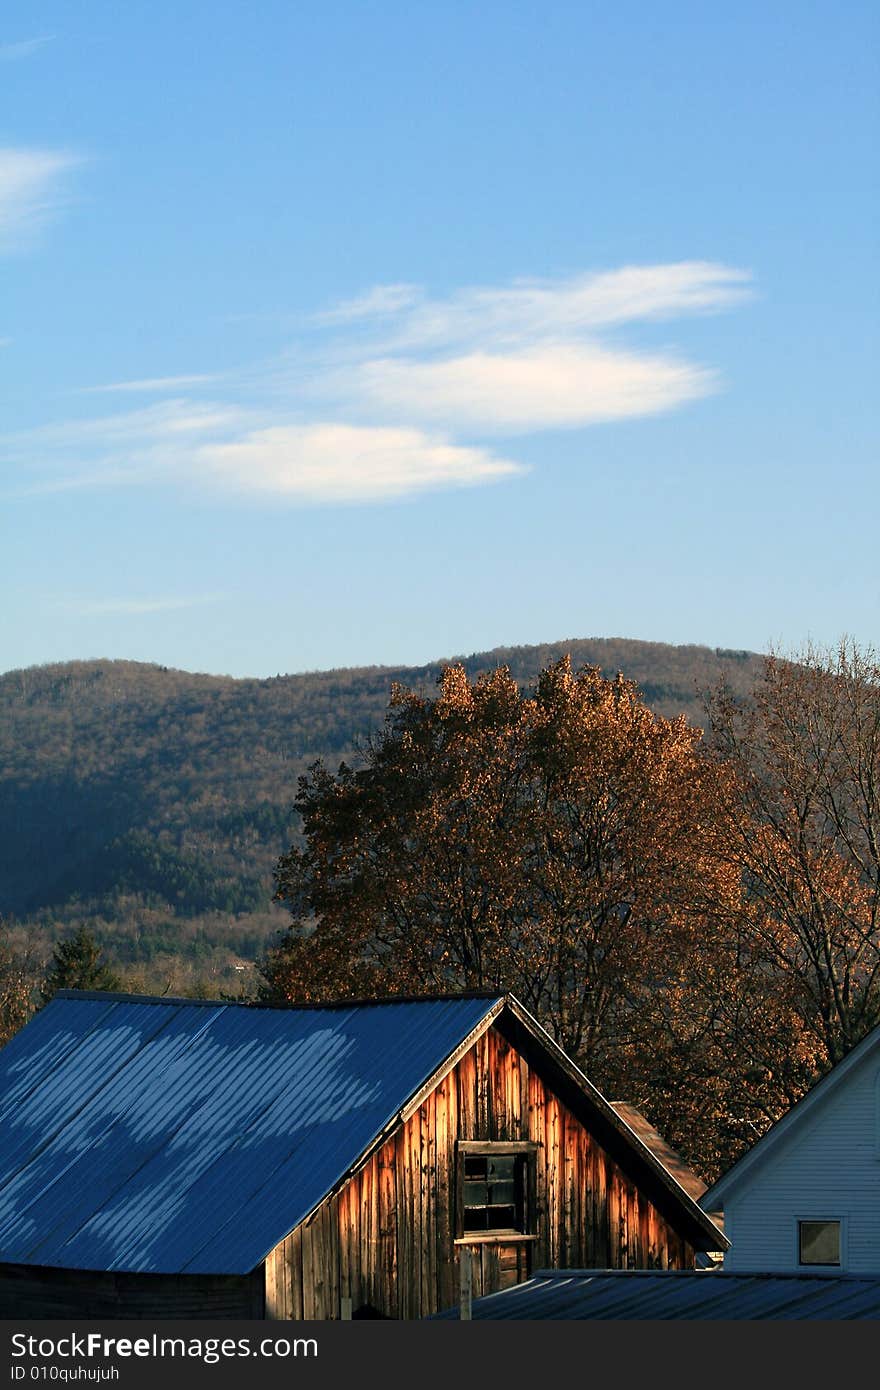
point(806, 1197)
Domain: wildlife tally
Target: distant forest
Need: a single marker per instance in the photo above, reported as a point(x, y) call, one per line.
point(151, 805)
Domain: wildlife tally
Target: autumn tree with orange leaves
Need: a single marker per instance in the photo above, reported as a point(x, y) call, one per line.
point(804, 833)
point(563, 845)
point(792, 982)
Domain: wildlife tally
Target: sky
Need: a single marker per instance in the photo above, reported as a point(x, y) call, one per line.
point(339, 334)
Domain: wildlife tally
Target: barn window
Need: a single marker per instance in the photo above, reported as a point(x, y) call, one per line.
point(819, 1242)
point(494, 1184)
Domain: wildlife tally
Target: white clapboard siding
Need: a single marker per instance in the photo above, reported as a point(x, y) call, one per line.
point(826, 1167)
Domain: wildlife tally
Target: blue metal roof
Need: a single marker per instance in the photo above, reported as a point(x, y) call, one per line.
point(664, 1295)
point(190, 1137)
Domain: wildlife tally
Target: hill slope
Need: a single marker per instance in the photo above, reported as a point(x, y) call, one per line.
point(153, 803)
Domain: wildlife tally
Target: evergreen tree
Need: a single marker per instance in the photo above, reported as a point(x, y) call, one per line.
point(77, 964)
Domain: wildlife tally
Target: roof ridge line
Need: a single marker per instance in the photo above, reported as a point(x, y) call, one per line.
point(112, 996)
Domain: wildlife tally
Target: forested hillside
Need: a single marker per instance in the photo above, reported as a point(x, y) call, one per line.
point(153, 804)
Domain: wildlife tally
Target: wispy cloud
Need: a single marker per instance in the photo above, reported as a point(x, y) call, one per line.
point(539, 309)
point(151, 424)
point(150, 385)
point(129, 448)
point(382, 301)
point(382, 395)
point(31, 190)
point(129, 608)
point(14, 52)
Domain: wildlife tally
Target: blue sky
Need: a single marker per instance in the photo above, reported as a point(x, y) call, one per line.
point(339, 334)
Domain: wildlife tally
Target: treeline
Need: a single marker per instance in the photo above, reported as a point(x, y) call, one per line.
point(151, 950)
point(153, 804)
point(78, 961)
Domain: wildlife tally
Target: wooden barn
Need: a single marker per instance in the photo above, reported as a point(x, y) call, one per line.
point(180, 1158)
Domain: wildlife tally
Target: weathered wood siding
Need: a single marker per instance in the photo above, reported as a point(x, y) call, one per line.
point(27, 1291)
point(387, 1238)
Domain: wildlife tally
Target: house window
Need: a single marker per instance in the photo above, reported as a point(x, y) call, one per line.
point(494, 1194)
point(494, 1183)
point(819, 1242)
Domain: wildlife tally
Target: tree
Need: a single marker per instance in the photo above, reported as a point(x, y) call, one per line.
point(563, 844)
point(77, 964)
point(804, 833)
point(16, 989)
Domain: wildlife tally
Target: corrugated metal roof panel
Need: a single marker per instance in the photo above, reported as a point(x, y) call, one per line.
point(681, 1294)
point(170, 1136)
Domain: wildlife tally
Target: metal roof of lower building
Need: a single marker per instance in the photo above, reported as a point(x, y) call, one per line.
point(187, 1136)
point(662, 1295)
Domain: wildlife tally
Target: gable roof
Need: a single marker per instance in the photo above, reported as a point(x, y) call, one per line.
point(671, 1159)
point(190, 1136)
point(673, 1294)
point(797, 1118)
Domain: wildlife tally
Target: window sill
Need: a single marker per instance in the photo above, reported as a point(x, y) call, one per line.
point(497, 1146)
point(493, 1238)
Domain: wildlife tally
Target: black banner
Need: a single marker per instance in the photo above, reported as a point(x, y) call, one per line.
point(134, 1354)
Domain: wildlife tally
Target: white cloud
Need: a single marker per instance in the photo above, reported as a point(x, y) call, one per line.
point(344, 463)
point(30, 190)
point(550, 387)
point(205, 445)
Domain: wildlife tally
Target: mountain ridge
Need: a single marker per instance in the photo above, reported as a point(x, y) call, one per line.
point(151, 803)
point(378, 667)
